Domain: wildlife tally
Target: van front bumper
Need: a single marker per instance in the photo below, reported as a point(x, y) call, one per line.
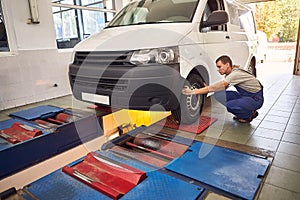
point(135, 87)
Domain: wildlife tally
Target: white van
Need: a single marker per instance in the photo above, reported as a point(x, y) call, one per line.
point(152, 48)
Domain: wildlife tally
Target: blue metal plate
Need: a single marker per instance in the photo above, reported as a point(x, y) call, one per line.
point(157, 185)
point(228, 170)
point(161, 186)
point(59, 185)
point(37, 112)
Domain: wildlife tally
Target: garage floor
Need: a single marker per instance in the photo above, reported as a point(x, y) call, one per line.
point(275, 132)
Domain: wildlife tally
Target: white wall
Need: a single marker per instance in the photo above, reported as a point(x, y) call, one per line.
point(29, 71)
point(29, 36)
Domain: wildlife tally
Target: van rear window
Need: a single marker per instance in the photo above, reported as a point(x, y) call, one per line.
point(155, 11)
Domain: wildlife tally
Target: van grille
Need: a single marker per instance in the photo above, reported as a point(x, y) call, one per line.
point(102, 83)
point(114, 64)
point(103, 58)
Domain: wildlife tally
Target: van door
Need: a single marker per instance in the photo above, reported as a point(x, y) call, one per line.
point(216, 39)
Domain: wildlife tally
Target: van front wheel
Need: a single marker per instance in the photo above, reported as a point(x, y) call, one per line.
point(190, 105)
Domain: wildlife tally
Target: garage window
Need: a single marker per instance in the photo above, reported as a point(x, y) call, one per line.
point(73, 24)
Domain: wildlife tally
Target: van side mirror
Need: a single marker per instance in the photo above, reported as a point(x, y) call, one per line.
point(216, 18)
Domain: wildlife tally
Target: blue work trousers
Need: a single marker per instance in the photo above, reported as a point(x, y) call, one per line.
point(241, 103)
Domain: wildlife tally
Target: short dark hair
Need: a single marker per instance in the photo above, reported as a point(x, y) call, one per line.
point(225, 59)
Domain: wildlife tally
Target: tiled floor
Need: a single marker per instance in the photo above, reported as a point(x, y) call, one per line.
point(276, 130)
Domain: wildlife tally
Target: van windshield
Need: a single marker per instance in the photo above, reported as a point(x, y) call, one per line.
point(155, 11)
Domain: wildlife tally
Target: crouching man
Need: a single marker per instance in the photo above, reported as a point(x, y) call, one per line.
point(242, 103)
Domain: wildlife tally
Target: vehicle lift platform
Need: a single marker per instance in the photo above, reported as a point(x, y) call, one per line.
point(146, 163)
point(38, 133)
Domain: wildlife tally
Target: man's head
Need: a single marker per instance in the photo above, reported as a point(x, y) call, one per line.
point(224, 65)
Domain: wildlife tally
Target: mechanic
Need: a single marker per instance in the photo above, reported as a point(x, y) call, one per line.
point(242, 103)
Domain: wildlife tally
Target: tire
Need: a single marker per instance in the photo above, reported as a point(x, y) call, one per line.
point(252, 69)
point(190, 106)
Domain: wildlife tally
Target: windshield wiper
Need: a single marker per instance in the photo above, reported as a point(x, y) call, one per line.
point(140, 23)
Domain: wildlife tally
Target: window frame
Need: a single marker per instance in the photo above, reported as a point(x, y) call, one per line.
point(81, 26)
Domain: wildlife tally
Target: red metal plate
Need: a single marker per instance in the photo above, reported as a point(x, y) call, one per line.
point(141, 156)
point(110, 178)
point(18, 133)
point(197, 127)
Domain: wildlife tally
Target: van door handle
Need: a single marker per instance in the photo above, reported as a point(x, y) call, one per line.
point(227, 37)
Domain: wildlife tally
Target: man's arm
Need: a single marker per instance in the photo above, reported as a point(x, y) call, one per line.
point(222, 85)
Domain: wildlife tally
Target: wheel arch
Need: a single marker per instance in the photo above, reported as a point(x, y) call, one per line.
point(253, 63)
point(201, 71)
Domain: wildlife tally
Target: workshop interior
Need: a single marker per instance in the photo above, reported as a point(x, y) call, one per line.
point(92, 106)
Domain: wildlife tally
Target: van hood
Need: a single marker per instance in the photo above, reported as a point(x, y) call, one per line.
point(135, 37)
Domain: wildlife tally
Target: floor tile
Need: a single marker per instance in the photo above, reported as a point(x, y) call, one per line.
point(256, 122)
point(291, 137)
point(265, 108)
point(295, 115)
point(221, 125)
point(296, 109)
point(284, 105)
point(219, 116)
point(287, 161)
point(280, 113)
point(297, 105)
point(287, 99)
point(272, 125)
point(278, 119)
point(283, 178)
point(294, 121)
point(244, 128)
point(289, 148)
point(268, 133)
point(235, 136)
point(265, 143)
point(283, 108)
point(270, 192)
point(261, 114)
point(214, 196)
point(292, 128)
point(4, 117)
point(212, 132)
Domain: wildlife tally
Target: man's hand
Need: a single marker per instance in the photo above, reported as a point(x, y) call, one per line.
point(187, 91)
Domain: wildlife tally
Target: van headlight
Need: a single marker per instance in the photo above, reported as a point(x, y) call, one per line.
point(166, 55)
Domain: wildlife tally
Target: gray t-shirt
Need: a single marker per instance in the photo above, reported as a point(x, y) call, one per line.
point(243, 79)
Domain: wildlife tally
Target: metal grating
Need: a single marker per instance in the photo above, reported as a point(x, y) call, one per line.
point(103, 58)
point(100, 83)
